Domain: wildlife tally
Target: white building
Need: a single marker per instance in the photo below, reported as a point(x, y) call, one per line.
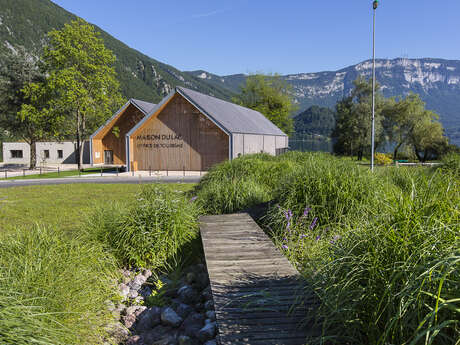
point(18, 153)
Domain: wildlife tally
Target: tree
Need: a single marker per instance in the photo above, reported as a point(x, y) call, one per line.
point(352, 133)
point(82, 80)
point(16, 75)
point(269, 95)
point(407, 122)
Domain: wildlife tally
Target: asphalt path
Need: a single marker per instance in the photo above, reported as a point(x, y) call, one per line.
point(105, 180)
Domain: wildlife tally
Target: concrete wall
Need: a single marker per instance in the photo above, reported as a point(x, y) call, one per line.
point(253, 143)
point(67, 147)
point(8, 147)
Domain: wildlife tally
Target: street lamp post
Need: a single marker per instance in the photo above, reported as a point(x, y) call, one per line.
point(375, 5)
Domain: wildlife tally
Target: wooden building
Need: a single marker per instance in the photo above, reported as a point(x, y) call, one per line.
point(187, 130)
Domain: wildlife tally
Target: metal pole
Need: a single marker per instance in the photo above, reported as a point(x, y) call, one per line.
point(375, 4)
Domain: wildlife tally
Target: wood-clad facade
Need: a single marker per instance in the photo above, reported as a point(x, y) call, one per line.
point(178, 137)
point(187, 130)
point(109, 141)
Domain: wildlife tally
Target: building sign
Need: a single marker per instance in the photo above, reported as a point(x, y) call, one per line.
point(160, 141)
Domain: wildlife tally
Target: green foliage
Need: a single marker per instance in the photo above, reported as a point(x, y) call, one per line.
point(269, 95)
point(451, 163)
point(151, 231)
point(353, 129)
point(53, 288)
point(380, 251)
point(315, 120)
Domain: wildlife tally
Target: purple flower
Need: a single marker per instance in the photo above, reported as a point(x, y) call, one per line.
point(313, 224)
point(285, 246)
point(318, 237)
point(193, 199)
point(285, 239)
point(306, 211)
point(303, 236)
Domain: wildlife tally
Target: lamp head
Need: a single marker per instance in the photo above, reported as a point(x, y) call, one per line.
point(376, 4)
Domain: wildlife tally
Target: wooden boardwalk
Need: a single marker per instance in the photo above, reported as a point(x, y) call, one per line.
point(257, 293)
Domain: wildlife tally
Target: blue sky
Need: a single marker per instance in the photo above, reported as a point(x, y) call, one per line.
point(290, 36)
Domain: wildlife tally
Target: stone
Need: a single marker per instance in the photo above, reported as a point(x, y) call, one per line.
point(148, 319)
point(185, 340)
point(183, 310)
point(209, 305)
point(129, 320)
point(138, 300)
point(211, 314)
point(132, 309)
point(208, 332)
point(206, 293)
point(207, 321)
point(160, 335)
point(134, 340)
point(199, 307)
point(170, 318)
point(188, 295)
point(140, 309)
point(124, 290)
point(203, 280)
point(191, 278)
point(146, 291)
point(147, 274)
point(137, 282)
point(192, 324)
point(118, 332)
point(110, 305)
point(211, 342)
point(133, 293)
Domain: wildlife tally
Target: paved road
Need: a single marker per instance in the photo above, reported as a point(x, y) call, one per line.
point(119, 179)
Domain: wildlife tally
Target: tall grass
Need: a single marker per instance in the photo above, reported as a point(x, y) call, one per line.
point(380, 251)
point(53, 288)
point(149, 232)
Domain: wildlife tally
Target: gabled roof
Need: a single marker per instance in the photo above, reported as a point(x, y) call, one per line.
point(234, 118)
point(230, 117)
point(144, 107)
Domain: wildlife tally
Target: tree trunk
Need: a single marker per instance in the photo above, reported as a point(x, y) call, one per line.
point(33, 155)
point(417, 153)
point(395, 152)
point(360, 155)
point(77, 156)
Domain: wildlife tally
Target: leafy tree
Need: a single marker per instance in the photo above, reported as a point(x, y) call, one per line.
point(269, 95)
point(315, 120)
point(407, 122)
point(19, 114)
point(352, 133)
point(81, 79)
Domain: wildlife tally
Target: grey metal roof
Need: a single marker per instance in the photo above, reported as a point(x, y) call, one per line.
point(234, 118)
point(145, 107)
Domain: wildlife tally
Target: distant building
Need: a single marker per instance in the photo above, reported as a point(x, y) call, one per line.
point(18, 153)
point(187, 130)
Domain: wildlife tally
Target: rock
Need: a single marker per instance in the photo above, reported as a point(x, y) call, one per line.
point(192, 324)
point(129, 320)
point(203, 280)
point(209, 305)
point(170, 318)
point(147, 274)
point(124, 290)
point(199, 307)
point(140, 309)
point(160, 335)
point(138, 300)
point(187, 294)
point(137, 282)
point(132, 309)
point(133, 293)
point(148, 319)
point(110, 305)
point(134, 340)
point(118, 332)
point(183, 310)
point(206, 294)
point(208, 332)
point(210, 314)
point(211, 342)
point(146, 291)
point(191, 278)
point(185, 340)
point(207, 321)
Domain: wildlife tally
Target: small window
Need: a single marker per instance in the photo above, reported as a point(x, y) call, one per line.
point(16, 153)
point(60, 154)
point(46, 153)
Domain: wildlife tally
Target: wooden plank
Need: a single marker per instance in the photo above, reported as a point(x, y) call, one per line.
point(259, 297)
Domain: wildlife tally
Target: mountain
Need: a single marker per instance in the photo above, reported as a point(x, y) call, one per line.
point(436, 80)
point(26, 23)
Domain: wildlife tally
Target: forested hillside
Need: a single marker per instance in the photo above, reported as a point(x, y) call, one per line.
point(26, 22)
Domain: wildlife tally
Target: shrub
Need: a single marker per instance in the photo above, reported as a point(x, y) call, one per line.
point(451, 163)
point(149, 232)
point(53, 288)
point(383, 158)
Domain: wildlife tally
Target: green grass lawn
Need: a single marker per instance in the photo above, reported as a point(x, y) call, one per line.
point(55, 174)
point(65, 206)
